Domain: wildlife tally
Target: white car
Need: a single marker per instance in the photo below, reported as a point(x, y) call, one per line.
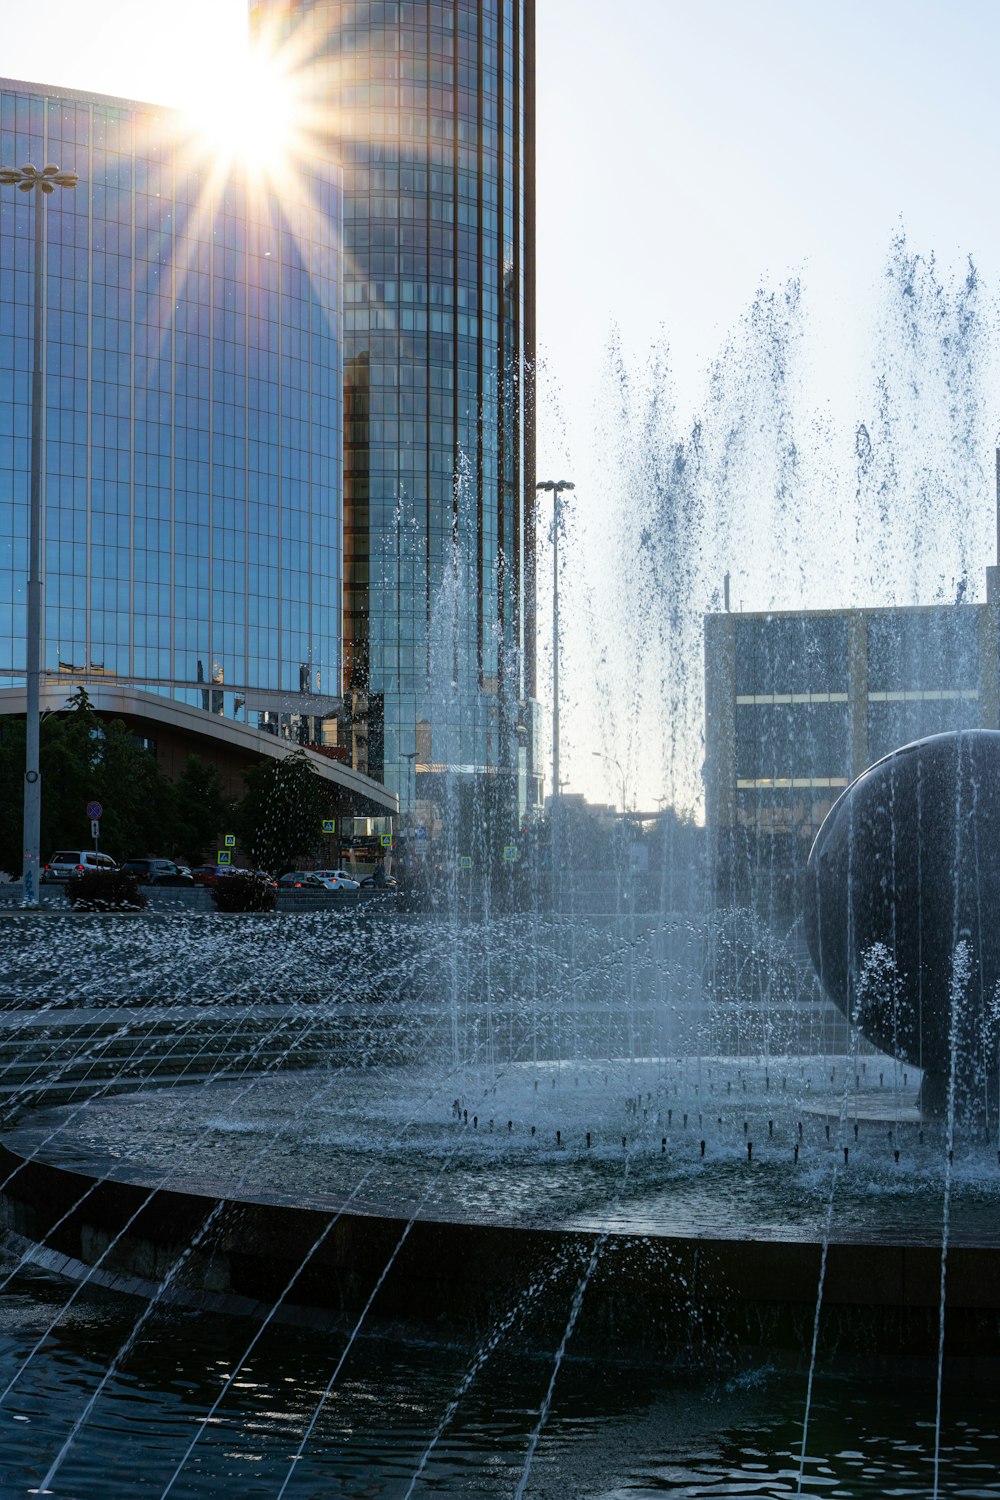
point(345, 881)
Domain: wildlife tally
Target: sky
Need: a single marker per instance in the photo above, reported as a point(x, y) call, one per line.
point(689, 151)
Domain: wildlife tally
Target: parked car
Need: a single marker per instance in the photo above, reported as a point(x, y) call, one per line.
point(67, 862)
point(374, 882)
point(157, 872)
point(207, 874)
point(306, 879)
point(346, 881)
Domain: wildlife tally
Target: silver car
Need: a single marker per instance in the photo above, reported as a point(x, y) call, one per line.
point(345, 881)
point(67, 862)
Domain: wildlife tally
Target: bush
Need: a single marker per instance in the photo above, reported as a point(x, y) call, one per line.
point(105, 890)
point(250, 892)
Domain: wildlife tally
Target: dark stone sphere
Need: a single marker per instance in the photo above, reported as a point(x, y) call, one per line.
point(905, 874)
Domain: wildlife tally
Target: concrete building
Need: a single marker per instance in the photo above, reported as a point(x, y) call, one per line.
point(798, 704)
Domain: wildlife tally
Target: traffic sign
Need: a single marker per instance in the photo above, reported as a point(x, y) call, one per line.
point(95, 828)
point(385, 839)
point(510, 853)
point(465, 862)
point(328, 825)
point(420, 834)
point(94, 809)
point(225, 857)
point(230, 841)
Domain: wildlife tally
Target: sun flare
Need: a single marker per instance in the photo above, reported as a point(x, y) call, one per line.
point(249, 117)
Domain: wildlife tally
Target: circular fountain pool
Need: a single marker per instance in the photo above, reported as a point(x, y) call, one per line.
point(698, 1199)
point(794, 1150)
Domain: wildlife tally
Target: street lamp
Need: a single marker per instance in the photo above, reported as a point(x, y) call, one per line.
point(611, 761)
point(557, 486)
point(42, 182)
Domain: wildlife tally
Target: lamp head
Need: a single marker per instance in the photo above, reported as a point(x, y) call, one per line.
point(27, 177)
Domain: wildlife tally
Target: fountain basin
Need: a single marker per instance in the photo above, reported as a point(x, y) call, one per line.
point(688, 1252)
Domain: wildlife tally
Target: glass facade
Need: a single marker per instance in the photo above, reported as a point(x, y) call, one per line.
point(428, 105)
point(192, 534)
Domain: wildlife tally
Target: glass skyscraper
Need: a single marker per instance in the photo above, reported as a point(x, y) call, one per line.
point(192, 540)
point(429, 107)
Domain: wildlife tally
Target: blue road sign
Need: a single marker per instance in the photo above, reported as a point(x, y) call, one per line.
point(225, 857)
point(94, 809)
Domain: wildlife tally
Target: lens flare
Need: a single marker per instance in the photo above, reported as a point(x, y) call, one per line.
point(249, 117)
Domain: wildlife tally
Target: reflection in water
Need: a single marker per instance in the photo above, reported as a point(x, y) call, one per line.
point(616, 1430)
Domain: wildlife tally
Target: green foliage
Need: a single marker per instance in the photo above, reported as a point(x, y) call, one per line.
point(105, 890)
point(11, 796)
point(250, 892)
point(281, 815)
point(137, 797)
point(85, 758)
point(69, 749)
point(588, 838)
point(200, 811)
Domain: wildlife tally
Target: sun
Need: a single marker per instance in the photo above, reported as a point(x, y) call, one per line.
point(249, 117)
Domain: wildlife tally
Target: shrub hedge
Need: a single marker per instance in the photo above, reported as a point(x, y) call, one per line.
point(105, 890)
point(250, 892)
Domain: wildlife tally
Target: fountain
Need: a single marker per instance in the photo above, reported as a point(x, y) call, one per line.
point(501, 1124)
point(452, 1175)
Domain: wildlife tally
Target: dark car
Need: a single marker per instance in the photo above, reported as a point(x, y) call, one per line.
point(157, 872)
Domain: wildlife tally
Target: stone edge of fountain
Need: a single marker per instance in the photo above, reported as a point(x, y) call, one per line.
point(702, 1296)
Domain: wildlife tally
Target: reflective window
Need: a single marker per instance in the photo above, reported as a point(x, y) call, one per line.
point(193, 536)
point(437, 298)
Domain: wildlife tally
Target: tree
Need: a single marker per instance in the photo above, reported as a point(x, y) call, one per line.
point(69, 748)
point(200, 810)
point(11, 797)
point(84, 758)
point(138, 799)
point(280, 818)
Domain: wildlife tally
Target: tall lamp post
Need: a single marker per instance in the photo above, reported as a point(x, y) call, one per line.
point(42, 182)
point(557, 487)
